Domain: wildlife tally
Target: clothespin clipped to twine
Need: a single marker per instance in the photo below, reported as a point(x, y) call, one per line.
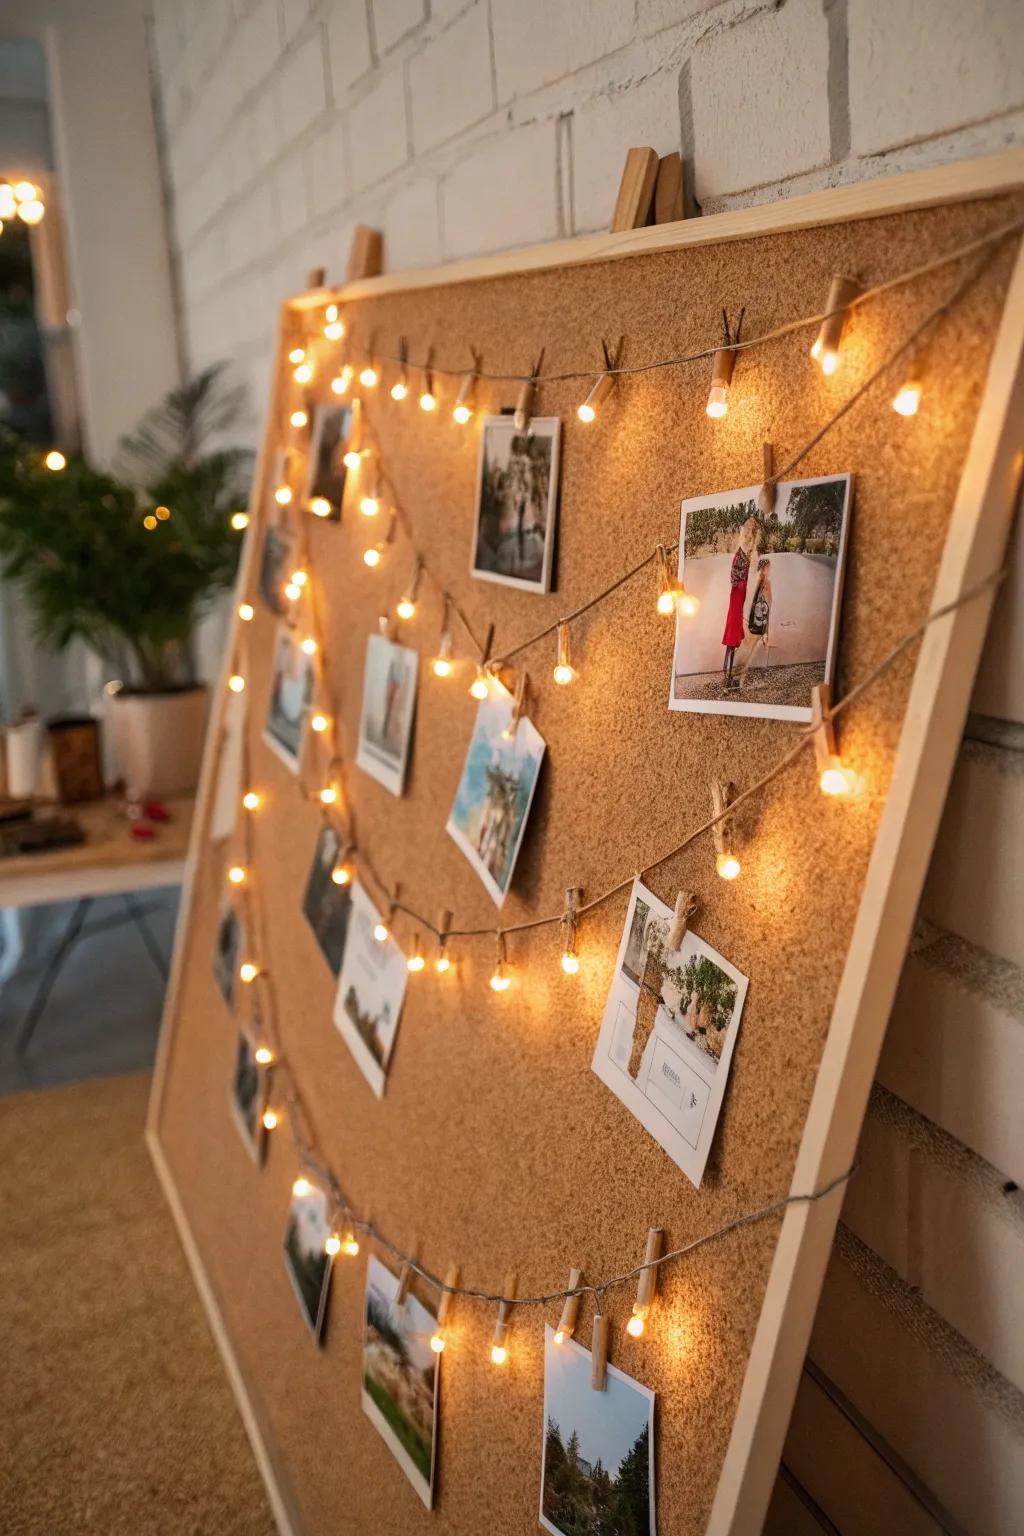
point(822, 729)
point(451, 1280)
point(686, 906)
point(500, 1339)
point(444, 922)
point(518, 703)
point(404, 1282)
point(647, 1283)
point(599, 1348)
point(723, 364)
point(602, 385)
point(524, 405)
point(767, 495)
point(723, 831)
point(387, 625)
point(570, 1309)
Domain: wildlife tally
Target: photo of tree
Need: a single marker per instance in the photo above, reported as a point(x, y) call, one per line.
point(400, 1376)
point(249, 1096)
point(306, 1258)
point(598, 1468)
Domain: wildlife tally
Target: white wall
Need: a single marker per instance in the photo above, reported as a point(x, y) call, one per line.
point(460, 126)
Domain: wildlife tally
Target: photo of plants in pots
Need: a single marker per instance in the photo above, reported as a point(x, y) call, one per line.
point(131, 560)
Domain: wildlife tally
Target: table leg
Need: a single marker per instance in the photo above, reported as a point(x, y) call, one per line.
point(138, 917)
point(46, 982)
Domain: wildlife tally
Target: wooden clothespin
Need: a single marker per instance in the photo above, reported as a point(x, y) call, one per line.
point(723, 366)
point(767, 495)
point(825, 351)
point(524, 405)
point(686, 906)
point(647, 1283)
point(833, 777)
point(722, 796)
point(599, 1350)
point(518, 702)
point(404, 1282)
point(443, 962)
point(316, 277)
point(387, 625)
point(499, 1343)
point(365, 254)
point(602, 385)
point(570, 1308)
point(444, 1304)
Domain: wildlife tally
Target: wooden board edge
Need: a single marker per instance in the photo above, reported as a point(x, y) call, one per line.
point(236, 1380)
point(929, 741)
point(960, 181)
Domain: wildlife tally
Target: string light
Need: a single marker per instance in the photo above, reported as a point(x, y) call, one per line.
point(825, 350)
point(301, 1187)
point(369, 505)
point(373, 556)
point(334, 327)
point(328, 795)
point(349, 1245)
point(246, 612)
point(464, 400)
point(263, 1055)
point(570, 961)
point(319, 723)
point(428, 400)
point(236, 874)
point(442, 960)
point(400, 388)
point(55, 460)
point(834, 778)
point(236, 682)
point(163, 513)
point(292, 592)
point(908, 397)
point(721, 377)
point(441, 666)
point(297, 355)
point(149, 521)
point(320, 506)
point(564, 672)
point(299, 418)
point(500, 979)
point(309, 646)
point(353, 455)
point(570, 1309)
point(369, 378)
point(726, 862)
point(647, 1283)
point(599, 392)
point(342, 379)
point(381, 931)
point(283, 495)
point(332, 1247)
point(303, 373)
point(416, 962)
point(251, 801)
point(480, 686)
point(728, 865)
point(406, 606)
point(271, 1119)
point(499, 1342)
point(341, 874)
point(248, 971)
point(239, 521)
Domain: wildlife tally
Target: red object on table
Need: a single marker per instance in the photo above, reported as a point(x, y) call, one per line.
point(142, 831)
point(155, 810)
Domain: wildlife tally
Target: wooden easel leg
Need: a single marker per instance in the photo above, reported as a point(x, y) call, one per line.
point(366, 254)
point(636, 190)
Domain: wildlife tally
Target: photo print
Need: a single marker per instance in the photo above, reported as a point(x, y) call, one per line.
point(389, 703)
point(227, 953)
point(326, 469)
point(769, 588)
point(291, 693)
point(275, 565)
point(305, 1254)
point(517, 499)
point(668, 1032)
point(249, 1089)
point(597, 1475)
point(327, 906)
point(371, 990)
point(494, 796)
point(400, 1376)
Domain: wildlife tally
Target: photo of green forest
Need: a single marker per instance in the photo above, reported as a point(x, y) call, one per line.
point(598, 1471)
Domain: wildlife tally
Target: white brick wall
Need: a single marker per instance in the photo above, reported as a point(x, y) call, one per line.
point(460, 126)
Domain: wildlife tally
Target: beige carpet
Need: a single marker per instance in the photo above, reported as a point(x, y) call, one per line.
point(115, 1415)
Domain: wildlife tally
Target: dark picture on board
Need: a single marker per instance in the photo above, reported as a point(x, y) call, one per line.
point(305, 1253)
point(326, 904)
point(227, 952)
point(517, 494)
point(249, 1084)
point(326, 482)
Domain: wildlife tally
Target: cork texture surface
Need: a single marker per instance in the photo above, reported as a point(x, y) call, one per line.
point(495, 1146)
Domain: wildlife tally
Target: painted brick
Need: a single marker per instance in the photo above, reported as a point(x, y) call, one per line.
point(348, 39)
point(450, 81)
point(301, 87)
point(377, 131)
point(924, 67)
point(294, 15)
point(395, 19)
point(536, 42)
point(504, 193)
point(658, 15)
point(328, 167)
point(760, 103)
point(412, 229)
point(602, 131)
point(259, 43)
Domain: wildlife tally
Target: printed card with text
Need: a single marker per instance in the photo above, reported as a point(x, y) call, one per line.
point(668, 1032)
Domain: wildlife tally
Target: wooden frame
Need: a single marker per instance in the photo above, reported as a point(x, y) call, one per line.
point(933, 721)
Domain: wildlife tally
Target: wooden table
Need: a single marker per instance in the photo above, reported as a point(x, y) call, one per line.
point(109, 862)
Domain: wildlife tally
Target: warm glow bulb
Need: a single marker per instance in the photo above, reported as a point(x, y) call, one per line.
point(428, 401)
point(442, 964)
point(333, 1245)
point(835, 779)
point(341, 874)
point(8, 203)
point(31, 212)
point(298, 418)
point(320, 506)
point(25, 191)
point(251, 800)
point(309, 646)
point(437, 1343)
point(399, 390)
point(350, 1246)
point(319, 724)
point(500, 982)
point(380, 932)
point(478, 687)
point(372, 556)
point(570, 963)
point(163, 513)
point(331, 313)
point(300, 577)
point(908, 399)
point(303, 373)
point(55, 460)
point(369, 506)
point(247, 971)
point(559, 1337)
point(416, 963)
point(236, 874)
point(297, 355)
point(586, 412)
point(442, 667)
point(302, 1187)
point(246, 612)
point(236, 683)
point(406, 608)
point(666, 603)
point(462, 413)
point(263, 1055)
point(687, 604)
point(718, 401)
point(149, 521)
point(334, 330)
point(499, 1354)
point(292, 591)
point(728, 866)
point(829, 361)
point(563, 674)
point(283, 495)
point(328, 795)
point(635, 1326)
point(340, 383)
point(271, 1120)
point(239, 521)
point(351, 459)
point(369, 377)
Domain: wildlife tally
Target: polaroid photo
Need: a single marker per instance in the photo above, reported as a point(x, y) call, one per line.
point(597, 1470)
point(250, 1085)
point(327, 906)
point(291, 694)
point(228, 790)
point(493, 800)
point(770, 591)
point(516, 502)
point(668, 1032)
point(227, 953)
point(371, 990)
point(325, 478)
point(400, 1376)
point(305, 1255)
point(389, 703)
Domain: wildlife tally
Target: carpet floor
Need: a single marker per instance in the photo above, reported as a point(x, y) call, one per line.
point(116, 1414)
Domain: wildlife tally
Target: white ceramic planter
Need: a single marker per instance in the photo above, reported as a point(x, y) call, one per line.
point(158, 738)
point(24, 756)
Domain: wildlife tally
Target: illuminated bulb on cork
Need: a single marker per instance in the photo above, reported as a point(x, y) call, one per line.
point(320, 506)
point(334, 330)
point(332, 1247)
point(381, 932)
point(251, 800)
point(499, 1354)
point(728, 865)
point(687, 604)
point(271, 1119)
point(399, 389)
point(500, 978)
point(299, 418)
point(428, 400)
point(246, 612)
point(309, 646)
point(369, 505)
point(236, 682)
point(55, 460)
point(349, 1245)
point(437, 1342)
point(247, 971)
point(328, 795)
point(319, 724)
point(635, 1326)
point(236, 874)
point(352, 459)
point(373, 556)
point(341, 874)
point(341, 381)
point(464, 401)
point(571, 963)
point(303, 373)
point(263, 1055)
point(600, 390)
point(835, 780)
point(479, 688)
point(300, 577)
point(416, 962)
point(292, 591)
point(302, 1187)
point(369, 378)
point(239, 521)
point(907, 399)
point(564, 672)
point(406, 608)
point(443, 964)
point(825, 350)
point(297, 355)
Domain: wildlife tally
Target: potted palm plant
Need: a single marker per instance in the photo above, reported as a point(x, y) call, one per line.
point(130, 561)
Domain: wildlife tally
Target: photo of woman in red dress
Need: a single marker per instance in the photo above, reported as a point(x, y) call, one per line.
point(739, 572)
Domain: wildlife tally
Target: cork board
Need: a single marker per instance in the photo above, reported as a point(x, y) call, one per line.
point(495, 1145)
